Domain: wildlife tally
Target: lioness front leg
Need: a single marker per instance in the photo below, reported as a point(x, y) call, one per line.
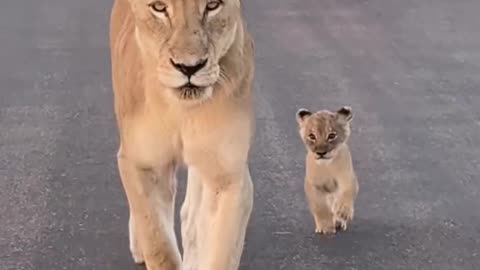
point(225, 210)
point(150, 195)
point(135, 248)
point(189, 217)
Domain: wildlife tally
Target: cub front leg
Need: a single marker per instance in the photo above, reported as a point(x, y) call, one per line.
point(225, 211)
point(344, 211)
point(320, 208)
point(150, 194)
point(344, 205)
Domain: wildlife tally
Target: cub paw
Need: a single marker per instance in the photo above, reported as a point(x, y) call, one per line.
point(325, 228)
point(341, 225)
point(343, 216)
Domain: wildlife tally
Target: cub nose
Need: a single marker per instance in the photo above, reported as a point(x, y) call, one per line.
point(189, 70)
point(321, 154)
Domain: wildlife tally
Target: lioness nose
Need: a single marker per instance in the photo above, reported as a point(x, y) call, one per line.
point(189, 70)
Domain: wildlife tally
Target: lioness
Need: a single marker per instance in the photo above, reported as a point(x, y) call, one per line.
point(182, 73)
point(331, 185)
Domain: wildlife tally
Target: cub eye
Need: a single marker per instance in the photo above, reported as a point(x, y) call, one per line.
point(213, 5)
point(158, 7)
point(311, 137)
point(332, 136)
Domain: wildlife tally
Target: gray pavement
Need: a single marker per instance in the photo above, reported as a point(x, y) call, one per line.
point(410, 70)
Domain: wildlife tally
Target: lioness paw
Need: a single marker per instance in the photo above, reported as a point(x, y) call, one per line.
point(136, 252)
point(137, 257)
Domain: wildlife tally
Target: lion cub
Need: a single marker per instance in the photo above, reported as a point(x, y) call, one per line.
point(331, 185)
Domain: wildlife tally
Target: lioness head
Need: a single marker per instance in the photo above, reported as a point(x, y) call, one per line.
point(324, 131)
point(186, 39)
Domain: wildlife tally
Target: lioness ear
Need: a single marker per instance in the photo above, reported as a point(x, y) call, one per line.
point(345, 113)
point(302, 114)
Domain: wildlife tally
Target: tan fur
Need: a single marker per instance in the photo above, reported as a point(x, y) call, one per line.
point(331, 185)
point(161, 128)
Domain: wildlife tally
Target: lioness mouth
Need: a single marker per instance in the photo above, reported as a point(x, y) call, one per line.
point(190, 91)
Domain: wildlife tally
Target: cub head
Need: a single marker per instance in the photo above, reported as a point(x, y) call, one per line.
point(324, 131)
point(185, 40)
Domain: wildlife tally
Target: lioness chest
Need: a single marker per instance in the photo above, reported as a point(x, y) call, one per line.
point(213, 134)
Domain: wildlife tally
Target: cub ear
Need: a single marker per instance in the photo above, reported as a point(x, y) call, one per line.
point(302, 114)
point(345, 113)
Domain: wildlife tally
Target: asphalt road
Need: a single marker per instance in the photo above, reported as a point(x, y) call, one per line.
point(410, 70)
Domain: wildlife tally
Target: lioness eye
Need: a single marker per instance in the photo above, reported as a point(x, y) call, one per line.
point(158, 7)
point(332, 136)
point(213, 4)
point(311, 137)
